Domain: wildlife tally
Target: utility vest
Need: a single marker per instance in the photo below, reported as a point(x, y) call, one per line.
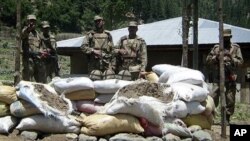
point(131, 57)
point(31, 43)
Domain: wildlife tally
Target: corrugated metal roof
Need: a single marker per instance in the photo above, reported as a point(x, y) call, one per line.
point(168, 32)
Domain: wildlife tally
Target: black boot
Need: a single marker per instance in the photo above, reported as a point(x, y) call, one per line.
point(227, 119)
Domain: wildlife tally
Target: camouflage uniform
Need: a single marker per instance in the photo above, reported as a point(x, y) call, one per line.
point(103, 63)
point(32, 64)
point(231, 64)
point(134, 57)
point(48, 45)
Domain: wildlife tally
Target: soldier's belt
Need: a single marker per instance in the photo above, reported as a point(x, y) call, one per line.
point(128, 57)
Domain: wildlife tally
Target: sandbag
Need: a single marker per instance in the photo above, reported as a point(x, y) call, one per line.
point(101, 124)
point(209, 106)
point(204, 122)
point(176, 130)
point(195, 107)
point(68, 85)
point(151, 77)
point(189, 92)
point(50, 104)
point(161, 68)
point(81, 94)
point(109, 86)
point(7, 123)
point(49, 125)
point(4, 109)
point(87, 106)
point(136, 107)
point(101, 98)
point(188, 76)
point(22, 108)
point(7, 94)
point(149, 128)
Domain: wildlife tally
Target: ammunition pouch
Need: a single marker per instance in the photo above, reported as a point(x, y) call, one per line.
point(124, 75)
point(95, 75)
point(108, 74)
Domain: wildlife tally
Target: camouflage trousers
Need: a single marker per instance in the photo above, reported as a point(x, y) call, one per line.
point(34, 68)
point(230, 92)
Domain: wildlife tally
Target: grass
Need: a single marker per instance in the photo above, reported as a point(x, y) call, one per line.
point(241, 114)
point(7, 62)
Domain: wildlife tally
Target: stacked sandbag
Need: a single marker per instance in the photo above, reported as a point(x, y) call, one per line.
point(45, 124)
point(105, 89)
point(45, 99)
point(75, 88)
point(189, 86)
point(22, 108)
point(7, 123)
point(103, 124)
point(7, 94)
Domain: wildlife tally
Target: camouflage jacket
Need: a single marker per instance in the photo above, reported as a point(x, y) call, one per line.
point(136, 53)
point(102, 42)
point(48, 44)
point(30, 41)
point(236, 60)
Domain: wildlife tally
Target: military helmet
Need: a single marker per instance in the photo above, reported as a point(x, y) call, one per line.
point(31, 17)
point(45, 24)
point(132, 23)
point(97, 17)
point(227, 33)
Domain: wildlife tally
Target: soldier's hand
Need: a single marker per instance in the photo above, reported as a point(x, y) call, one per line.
point(97, 52)
point(123, 51)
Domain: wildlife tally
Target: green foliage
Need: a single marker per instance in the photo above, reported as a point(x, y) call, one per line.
point(77, 15)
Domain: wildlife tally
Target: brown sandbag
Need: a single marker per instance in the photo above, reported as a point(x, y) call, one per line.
point(7, 94)
point(81, 95)
point(205, 122)
point(101, 124)
point(4, 109)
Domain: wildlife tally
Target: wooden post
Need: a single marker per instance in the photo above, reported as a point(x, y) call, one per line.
point(195, 35)
point(185, 27)
point(17, 75)
point(222, 73)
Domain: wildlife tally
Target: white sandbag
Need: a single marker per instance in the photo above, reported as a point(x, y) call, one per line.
point(178, 109)
point(49, 125)
point(68, 85)
point(48, 103)
point(195, 108)
point(110, 85)
point(7, 123)
point(134, 107)
point(189, 92)
point(169, 69)
point(176, 130)
point(101, 98)
point(188, 76)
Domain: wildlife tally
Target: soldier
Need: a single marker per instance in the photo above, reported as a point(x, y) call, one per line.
point(98, 46)
point(232, 60)
point(32, 64)
point(131, 54)
point(48, 44)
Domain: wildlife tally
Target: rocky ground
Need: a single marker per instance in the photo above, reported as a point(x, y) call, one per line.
point(215, 132)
